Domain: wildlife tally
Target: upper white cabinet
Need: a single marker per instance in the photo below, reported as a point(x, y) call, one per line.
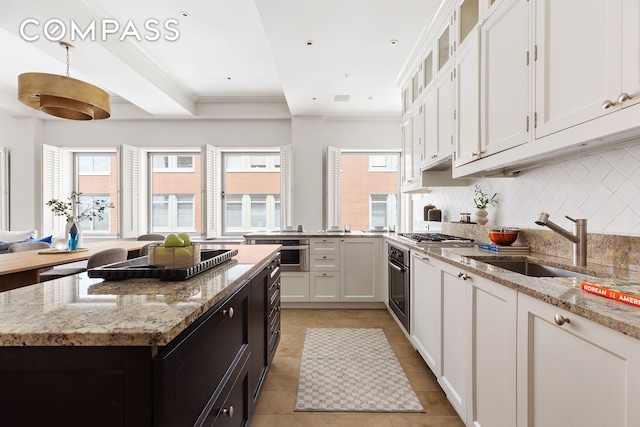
point(504, 87)
point(574, 372)
point(467, 101)
point(585, 67)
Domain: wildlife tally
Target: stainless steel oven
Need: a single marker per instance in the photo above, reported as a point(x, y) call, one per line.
point(294, 254)
point(398, 260)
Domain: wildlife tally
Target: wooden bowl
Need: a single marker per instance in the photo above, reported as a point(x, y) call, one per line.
point(503, 236)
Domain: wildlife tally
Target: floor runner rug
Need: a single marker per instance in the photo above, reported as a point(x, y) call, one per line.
point(352, 370)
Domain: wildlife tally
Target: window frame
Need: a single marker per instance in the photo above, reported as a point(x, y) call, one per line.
point(333, 184)
point(273, 164)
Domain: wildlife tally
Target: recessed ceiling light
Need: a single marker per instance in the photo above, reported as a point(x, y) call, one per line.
point(309, 42)
point(184, 14)
point(393, 42)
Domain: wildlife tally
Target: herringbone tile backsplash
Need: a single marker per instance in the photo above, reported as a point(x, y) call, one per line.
point(604, 188)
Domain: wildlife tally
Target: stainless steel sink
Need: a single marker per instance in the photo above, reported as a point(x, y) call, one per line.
point(532, 269)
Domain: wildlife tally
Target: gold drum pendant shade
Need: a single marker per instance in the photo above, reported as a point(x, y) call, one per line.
point(63, 96)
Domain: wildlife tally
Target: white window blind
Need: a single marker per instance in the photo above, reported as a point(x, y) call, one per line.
point(210, 191)
point(51, 189)
point(4, 189)
point(129, 212)
point(333, 187)
point(286, 192)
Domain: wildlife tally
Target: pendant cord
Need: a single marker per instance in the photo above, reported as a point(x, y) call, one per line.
point(67, 48)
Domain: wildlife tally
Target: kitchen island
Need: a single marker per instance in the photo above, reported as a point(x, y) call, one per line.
point(140, 352)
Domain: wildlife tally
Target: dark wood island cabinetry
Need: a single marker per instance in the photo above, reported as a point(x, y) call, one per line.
point(209, 373)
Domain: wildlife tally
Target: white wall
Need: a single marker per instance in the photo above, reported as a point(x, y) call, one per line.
point(21, 136)
point(604, 188)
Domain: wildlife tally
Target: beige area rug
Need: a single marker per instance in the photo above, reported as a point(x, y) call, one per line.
point(352, 370)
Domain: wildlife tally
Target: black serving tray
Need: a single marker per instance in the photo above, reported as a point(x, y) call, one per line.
point(140, 268)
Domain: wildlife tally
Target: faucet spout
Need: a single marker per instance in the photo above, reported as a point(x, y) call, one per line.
point(578, 237)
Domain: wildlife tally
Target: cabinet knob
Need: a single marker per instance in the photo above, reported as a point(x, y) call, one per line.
point(433, 156)
point(607, 104)
point(560, 319)
point(624, 96)
point(228, 313)
point(463, 276)
point(228, 412)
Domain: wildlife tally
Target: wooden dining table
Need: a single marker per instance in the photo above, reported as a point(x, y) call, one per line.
point(19, 269)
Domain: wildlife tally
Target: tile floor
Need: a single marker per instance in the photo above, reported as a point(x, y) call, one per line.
point(275, 408)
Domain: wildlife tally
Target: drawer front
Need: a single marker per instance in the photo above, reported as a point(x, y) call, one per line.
point(325, 246)
point(190, 369)
point(325, 263)
point(231, 409)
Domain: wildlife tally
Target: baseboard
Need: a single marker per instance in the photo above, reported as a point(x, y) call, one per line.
point(335, 305)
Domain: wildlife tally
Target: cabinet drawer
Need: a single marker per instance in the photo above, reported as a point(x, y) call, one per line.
point(231, 408)
point(325, 263)
point(325, 246)
point(190, 369)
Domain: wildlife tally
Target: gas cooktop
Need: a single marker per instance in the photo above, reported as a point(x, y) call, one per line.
point(435, 238)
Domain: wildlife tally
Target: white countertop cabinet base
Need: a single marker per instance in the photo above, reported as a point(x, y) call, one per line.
point(579, 373)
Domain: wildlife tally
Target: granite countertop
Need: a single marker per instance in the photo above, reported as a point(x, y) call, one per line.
point(563, 292)
point(81, 311)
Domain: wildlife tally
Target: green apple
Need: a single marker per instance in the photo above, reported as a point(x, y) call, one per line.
point(173, 240)
point(185, 237)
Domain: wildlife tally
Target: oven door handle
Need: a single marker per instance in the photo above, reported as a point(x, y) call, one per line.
point(393, 265)
point(294, 248)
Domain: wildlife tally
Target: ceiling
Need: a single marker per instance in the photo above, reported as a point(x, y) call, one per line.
point(333, 58)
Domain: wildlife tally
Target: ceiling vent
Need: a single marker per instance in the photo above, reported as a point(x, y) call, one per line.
point(342, 98)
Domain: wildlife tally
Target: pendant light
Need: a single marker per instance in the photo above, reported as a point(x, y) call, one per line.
point(63, 96)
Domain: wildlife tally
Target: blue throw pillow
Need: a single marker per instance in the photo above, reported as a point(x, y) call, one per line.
point(48, 239)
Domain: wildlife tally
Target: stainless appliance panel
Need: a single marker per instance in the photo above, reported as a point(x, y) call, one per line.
point(294, 253)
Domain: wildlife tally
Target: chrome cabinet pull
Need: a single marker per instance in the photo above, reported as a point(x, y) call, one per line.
point(624, 96)
point(228, 313)
point(560, 319)
point(463, 276)
point(607, 104)
point(228, 412)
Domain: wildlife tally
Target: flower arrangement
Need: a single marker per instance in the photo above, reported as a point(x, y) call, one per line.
point(482, 198)
point(68, 208)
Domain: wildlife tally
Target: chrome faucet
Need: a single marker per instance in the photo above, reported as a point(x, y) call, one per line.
point(579, 238)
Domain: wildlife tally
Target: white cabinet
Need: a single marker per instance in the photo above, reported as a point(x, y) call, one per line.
point(324, 269)
point(295, 286)
point(576, 373)
point(504, 73)
point(359, 270)
point(426, 294)
point(467, 100)
point(585, 65)
point(492, 373)
point(455, 338)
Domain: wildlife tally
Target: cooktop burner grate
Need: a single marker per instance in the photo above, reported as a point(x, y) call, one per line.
point(433, 237)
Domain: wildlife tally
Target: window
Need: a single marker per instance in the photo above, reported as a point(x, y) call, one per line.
point(363, 188)
point(175, 192)
point(96, 178)
point(95, 225)
point(251, 188)
point(94, 164)
point(382, 208)
point(173, 212)
point(172, 163)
